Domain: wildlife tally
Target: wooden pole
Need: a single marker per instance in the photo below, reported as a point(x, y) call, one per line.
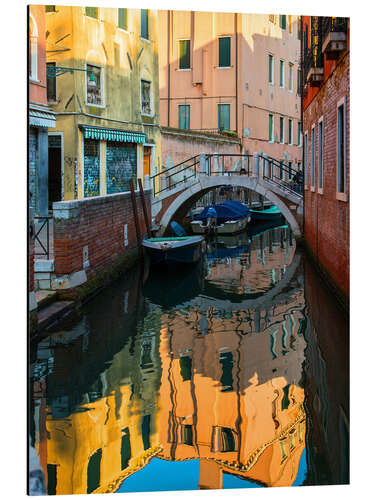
point(145, 214)
point(137, 228)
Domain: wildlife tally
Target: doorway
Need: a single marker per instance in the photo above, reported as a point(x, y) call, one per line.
point(146, 160)
point(54, 170)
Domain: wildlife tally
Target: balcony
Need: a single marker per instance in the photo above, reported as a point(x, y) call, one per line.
point(334, 34)
point(313, 68)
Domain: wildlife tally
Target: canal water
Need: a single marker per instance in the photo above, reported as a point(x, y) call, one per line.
point(232, 373)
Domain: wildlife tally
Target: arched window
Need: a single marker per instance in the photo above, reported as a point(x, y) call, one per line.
point(33, 49)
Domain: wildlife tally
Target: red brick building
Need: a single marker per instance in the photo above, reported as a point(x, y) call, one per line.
point(326, 129)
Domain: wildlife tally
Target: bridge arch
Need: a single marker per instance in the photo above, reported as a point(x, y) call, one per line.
point(206, 183)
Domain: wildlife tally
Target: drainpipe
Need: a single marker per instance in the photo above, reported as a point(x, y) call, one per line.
point(169, 64)
point(235, 27)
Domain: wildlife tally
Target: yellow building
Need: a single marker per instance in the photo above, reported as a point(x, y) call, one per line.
point(107, 110)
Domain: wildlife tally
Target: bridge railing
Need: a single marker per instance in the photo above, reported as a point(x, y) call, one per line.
point(285, 176)
point(229, 164)
point(171, 177)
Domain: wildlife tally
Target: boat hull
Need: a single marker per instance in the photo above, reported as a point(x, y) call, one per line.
point(174, 252)
point(260, 215)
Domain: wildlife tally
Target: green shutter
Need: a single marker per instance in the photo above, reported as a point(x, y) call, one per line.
point(224, 116)
point(184, 116)
point(226, 360)
point(50, 8)
point(146, 422)
point(281, 73)
point(283, 22)
point(144, 24)
point(123, 18)
point(92, 12)
point(188, 434)
point(184, 46)
point(224, 51)
point(126, 452)
point(270, 128)
point(270, 68)
point(185, 367)
point(93, 471)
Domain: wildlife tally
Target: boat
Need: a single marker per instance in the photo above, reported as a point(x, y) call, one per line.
point(231, 217)
point(173, 250)
point(270, 213)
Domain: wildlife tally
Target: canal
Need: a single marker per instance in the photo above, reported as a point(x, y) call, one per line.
point(233, 373)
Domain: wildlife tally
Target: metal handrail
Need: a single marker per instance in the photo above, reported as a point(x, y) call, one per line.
point(274, 171)
point(46, 251)
point(334, 24)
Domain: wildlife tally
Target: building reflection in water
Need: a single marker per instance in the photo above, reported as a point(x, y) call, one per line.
point(186, 373)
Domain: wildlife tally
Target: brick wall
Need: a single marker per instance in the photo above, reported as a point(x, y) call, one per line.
point(326, 219)
point(97, 223)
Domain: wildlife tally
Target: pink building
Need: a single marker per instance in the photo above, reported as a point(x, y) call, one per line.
point(236, 74)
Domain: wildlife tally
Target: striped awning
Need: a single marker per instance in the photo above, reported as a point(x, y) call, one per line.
point(41, 119)
point(111, 134)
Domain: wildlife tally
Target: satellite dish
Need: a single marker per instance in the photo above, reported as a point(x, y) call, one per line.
point(246, 132)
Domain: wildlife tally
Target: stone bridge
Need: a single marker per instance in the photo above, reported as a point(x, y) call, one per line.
point(177, 190)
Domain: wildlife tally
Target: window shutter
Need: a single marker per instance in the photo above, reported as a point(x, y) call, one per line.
point(122, 18)
point(144, 24)
point(224, 51)
point(184, 54)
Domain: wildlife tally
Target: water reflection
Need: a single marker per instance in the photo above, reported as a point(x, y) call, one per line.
point(204, 371)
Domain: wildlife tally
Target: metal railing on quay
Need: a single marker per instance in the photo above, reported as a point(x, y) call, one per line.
point(42, 237)
point(334, 24)
point(286, 177)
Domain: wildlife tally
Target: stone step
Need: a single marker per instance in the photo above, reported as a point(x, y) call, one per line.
point(44, 298)
point(52, 312)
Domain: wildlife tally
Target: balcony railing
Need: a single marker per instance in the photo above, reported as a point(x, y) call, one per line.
point(334, 24)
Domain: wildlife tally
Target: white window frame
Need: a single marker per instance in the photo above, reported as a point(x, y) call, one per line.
point(189, 105)
point(299, 134)
point(218, 52)
point(272, 82)
point(320, 157)
point(101, 85)
point(283, 135)
point(273, 128)
point(341, 196)
point(178, 53)
point(151, 97)
point(313, 159)
point(290, 77)
point(290, 132)
point(283, 73)
point(306, 159)
point(34, 50)
point(219, 104)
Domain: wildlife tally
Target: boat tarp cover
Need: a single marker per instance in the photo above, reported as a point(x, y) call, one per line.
point(229, 210)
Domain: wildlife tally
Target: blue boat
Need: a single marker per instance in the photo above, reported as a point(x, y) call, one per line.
point(271, 213)
point(174, 250)
point(230, 217)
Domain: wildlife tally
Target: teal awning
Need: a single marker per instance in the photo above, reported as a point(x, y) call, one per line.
point(111, 134)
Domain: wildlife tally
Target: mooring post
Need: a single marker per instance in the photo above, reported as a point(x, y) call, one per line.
point(145, 214)
point(135, 213)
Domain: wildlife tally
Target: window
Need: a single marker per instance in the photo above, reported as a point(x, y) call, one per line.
point(305, 158)
point(290, 24)
point(270, 69)
point(50, 8)
point(313, 157)
point(290, 77)
point(299, 82)
point(146, 428)
point(282, 74)
point(51, 82)
point(126, 451)
point(223, 116)
point(93, 471)
point(281, 130)
point(187, 434)
point(184, 54)
point(283, 22)
point(94, 88)
point(144, 24)
point(226, 380)
point(320, 153)
point(185, 367)
point(341, 149)
point(270, 128)
point(290, 170)
point(184, 116)
point(290, 134)
point(299, 134)
point(33, 50)
point(145, 97)
point(51, 479)
point(271, 18)
point(224, 439)
point(123, 18)
point(224, 52)
point(91, 12)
